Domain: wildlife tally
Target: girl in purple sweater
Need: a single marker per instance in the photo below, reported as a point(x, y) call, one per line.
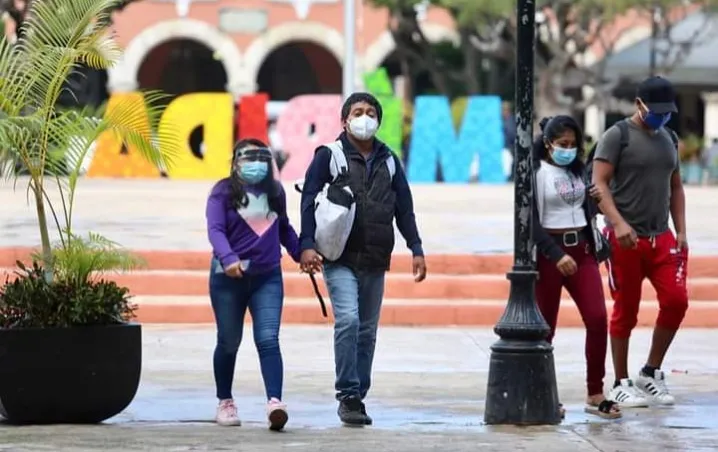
point(246, 224)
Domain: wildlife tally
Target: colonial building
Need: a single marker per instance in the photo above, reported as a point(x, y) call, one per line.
point(281, 47)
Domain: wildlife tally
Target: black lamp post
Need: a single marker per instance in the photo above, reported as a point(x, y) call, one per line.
point(522, 379)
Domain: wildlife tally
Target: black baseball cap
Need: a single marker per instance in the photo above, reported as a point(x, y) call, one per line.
point(658, 95)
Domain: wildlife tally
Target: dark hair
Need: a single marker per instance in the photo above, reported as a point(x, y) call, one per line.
point(552, 128)
point(270, 186)
point(361, 97)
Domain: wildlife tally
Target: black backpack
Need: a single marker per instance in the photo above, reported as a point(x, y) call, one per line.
point(623, 128)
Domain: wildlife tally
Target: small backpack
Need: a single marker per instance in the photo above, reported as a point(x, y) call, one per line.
point(623, 128)
point(335, 206)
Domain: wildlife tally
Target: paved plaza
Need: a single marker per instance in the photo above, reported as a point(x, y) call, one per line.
point(428, 395)
point(429, 385)
point(168, 214)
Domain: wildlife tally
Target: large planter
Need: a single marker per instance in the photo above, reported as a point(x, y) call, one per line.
point(68, 375)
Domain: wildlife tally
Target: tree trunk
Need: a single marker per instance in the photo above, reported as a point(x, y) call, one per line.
point(471, 63)
point(406, 73)
point(47, 259)
point(407, 27)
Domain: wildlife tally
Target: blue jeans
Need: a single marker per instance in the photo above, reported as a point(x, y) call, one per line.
point(264, 295)
point(356, 301)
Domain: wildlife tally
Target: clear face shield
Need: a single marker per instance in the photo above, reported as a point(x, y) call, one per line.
point(252, 164)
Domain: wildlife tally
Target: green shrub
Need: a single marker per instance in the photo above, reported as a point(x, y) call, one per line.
point(31, 301)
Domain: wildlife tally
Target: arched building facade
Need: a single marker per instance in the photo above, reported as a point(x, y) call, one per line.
point(281, 47)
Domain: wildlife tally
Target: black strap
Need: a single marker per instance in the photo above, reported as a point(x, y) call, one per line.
point(673, 135)
point(625, 133)
point(623, 143)
point(606, 406)
point(318, 294)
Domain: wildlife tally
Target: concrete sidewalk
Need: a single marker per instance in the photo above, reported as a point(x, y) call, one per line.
point(428, 395)
point(169, 214)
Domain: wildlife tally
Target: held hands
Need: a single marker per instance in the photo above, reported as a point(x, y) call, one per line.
point(625, 235)
point(419, 268)
point(567, 266)
point(234, 270)
point(310, 261)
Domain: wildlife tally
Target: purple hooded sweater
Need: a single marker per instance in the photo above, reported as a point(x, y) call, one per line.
point(252, 234)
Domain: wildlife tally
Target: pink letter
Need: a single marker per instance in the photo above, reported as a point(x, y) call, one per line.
point(306, 123)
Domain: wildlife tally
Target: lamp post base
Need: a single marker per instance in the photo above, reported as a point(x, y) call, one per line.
point(522, 384)
point(522, 377)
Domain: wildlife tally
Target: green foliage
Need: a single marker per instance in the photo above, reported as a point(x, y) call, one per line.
point(79, 259)
point(458, 108)
point(31, 301)
point(63, 287)
point(692, 145)
point(62, 35)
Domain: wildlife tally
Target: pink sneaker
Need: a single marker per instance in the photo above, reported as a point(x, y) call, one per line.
point(227, 413)
point(277, 414)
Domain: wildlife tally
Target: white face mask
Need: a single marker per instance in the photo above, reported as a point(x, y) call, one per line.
point(364, 127)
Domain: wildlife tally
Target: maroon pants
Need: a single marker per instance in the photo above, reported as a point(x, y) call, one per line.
point(586, 289)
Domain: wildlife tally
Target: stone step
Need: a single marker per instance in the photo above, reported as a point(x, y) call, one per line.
point(401, 312)
point(456, 264)
point(398, 285)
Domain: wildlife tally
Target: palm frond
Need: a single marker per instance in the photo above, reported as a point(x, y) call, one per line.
point(81, 259)
point(60, 36)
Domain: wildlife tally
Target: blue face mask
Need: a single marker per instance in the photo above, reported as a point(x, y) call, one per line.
point(563, 156)
point(253, 172)
point(655, 121)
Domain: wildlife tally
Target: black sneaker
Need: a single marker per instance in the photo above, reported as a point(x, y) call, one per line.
point(367, 419)
point(350, 411)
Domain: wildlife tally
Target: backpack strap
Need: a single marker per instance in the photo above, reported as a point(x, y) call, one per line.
point(625, 134)
point(623, 141)
point(674, 136)
point(391, 165)
point(338, 162)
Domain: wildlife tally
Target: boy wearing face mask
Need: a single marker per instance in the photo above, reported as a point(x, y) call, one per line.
point(566, 240)
point(356, 280)
point(643, 187)
point(247, 225)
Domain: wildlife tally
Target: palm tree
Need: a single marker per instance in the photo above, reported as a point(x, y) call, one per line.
point(51, 142)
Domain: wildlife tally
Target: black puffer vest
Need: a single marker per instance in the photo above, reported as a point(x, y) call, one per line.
point(371, 241)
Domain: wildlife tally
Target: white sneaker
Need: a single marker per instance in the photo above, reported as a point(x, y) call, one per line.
point(655, 387)
point(627, 395)
point(227, 413)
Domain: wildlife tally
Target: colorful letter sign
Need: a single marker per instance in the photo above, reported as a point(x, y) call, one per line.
point(252, 117)
point(309, 121)
point(306, 123)
point(434, 140)
point(110, 160)
point(379, 84)
point(213, 111)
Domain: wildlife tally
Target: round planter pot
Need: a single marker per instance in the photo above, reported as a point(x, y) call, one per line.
point(68, 375)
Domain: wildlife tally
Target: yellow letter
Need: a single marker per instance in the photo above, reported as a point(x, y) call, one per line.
point(109, 160)
point(215, 112)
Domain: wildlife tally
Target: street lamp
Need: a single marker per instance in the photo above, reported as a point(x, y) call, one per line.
point(349, 47)
point(522, 378)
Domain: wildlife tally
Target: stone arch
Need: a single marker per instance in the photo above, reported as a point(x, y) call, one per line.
point(123, 76)
point(314, 32)
point(384, 45)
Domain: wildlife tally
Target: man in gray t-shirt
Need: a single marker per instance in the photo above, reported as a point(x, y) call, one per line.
point(636, 166)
